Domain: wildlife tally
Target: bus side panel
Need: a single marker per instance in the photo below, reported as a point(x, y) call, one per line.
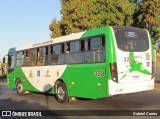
point(43, 78)
point(110, 51)
point(10, 79)
point(20, 74)
point(87, 80)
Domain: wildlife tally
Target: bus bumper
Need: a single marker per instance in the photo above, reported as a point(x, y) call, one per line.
point(133, 87)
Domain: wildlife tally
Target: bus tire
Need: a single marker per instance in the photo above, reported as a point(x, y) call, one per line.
point(19, 88)
point(61, 92)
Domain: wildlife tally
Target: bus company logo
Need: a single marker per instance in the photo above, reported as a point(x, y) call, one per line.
point(47, 74)
point(30, 74)
point(38, 73)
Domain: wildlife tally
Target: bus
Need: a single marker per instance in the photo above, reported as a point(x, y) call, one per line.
point(92, 64)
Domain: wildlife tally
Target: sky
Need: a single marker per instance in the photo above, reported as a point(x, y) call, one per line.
point(25, 22)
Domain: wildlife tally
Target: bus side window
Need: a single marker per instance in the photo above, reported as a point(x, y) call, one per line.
point(41, 56)
point(103, 42)
point(37, 57)
point(95, 50)
point(87, 53)
point(75, 46)
point(52, 53)
point(38, 53)
point(61, 56)
point(11, 61)
point(51, 50)
point(88, 45)
point(96, 43)
point(46, 51)
point(30, 55)
point(82, 45)
point(20, 59)
point(56, 49)
point(62, 49)
point(58, 54)
point(75, 54)
point(26, 58)
point(68, 47)
point(26, 52)
point(34, 58)
point(46, 57)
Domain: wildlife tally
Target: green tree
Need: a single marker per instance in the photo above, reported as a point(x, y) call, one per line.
point(55, 27)
point(147, 16)
point(80, 15)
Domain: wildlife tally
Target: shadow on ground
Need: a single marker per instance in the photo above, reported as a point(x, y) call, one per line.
point(24, 106)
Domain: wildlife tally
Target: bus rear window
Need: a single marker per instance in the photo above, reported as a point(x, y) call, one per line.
point(131, 39)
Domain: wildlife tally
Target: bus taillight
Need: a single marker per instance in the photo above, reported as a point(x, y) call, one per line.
point(113, 69)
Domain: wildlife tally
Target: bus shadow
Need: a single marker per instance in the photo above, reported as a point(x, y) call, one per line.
point(2, 85)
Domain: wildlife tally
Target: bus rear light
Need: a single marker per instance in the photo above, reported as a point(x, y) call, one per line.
point(113, 69)
point(113, 73)
point(114, 79)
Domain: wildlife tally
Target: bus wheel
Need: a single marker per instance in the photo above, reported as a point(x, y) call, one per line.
point(19, 88)
point(61, 92)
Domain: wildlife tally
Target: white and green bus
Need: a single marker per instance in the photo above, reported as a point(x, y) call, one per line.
point(97, 63)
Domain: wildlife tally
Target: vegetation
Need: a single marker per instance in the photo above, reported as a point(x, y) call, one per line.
point(80, 15)
point(147, 16)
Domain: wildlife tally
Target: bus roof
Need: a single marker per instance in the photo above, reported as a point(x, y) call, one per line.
point(66, 38)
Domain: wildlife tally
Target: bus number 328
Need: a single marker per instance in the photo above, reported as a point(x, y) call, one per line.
point(99, 73)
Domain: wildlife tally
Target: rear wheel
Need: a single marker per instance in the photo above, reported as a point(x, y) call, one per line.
point(61, 92)
point(19, 88)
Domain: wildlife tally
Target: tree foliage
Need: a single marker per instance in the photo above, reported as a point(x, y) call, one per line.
point(80, 15)
point(147, 16)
